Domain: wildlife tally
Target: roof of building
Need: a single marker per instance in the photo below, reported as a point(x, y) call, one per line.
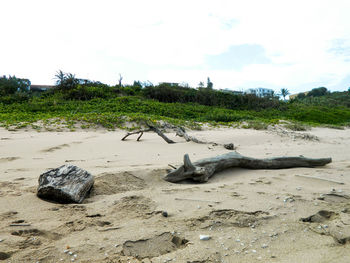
point(42, 86)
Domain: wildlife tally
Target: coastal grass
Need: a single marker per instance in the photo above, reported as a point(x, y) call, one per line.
point(115, 112)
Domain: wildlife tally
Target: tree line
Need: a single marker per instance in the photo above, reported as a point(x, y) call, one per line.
point(69, 87)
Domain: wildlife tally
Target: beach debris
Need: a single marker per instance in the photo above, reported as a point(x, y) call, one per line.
point(180, 131)
point(94, 215)
point(319, 178)
point(109, 229)
point(165, 213)
point(4, 255)
point(229, 146)
point(150, 128)
point(204, 237)
point(18, 221)
point(65, 184)
point(289, 199)
point(202, 170)
point(153, 247)
point(172, 166)
point(20, 224)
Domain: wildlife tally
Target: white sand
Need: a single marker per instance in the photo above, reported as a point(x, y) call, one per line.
point(129, 193)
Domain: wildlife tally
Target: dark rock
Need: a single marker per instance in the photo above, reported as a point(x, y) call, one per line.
point(229, 146)
point(4, 255)
point(66, 184)
point(165, 213)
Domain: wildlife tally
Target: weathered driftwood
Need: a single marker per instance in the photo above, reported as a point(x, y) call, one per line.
point(160, 133)
point(202, 170)
point(65, 184)
point(180, 131)
point(135, 132)
point(151, 128)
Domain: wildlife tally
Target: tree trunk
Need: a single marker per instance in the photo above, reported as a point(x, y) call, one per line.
point(202, 170)
point(65, 184)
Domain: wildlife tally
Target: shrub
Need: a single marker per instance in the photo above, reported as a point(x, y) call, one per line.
point(11, 85)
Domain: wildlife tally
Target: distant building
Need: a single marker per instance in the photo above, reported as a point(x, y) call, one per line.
point(41, 87)
point(260, 92)
point(232, 91)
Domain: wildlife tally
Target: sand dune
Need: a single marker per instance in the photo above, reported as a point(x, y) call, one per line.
point(250, 215)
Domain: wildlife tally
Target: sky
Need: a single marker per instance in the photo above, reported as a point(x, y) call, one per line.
point(239, 44)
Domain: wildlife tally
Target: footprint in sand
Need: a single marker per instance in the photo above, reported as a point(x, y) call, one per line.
point(8, 159)
point(8, 215)
point(59, 147)
point(55, 148)
point(114, 183)
point(142, 165)
point(9, 188)
point(154, 246)
point(18, 170)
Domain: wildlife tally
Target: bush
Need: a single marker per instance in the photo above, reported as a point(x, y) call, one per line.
point(317, 92)
point(11, 85)
point(209, 97)
point(87, 93)
point(296, 126)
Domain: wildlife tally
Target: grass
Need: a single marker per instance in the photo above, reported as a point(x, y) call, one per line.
point(296, 126)
point(116, 112)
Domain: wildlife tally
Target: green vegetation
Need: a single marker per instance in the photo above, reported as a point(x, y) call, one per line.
point(93, 103)
point(284, 92)
point(296, 126)
point(322, 97)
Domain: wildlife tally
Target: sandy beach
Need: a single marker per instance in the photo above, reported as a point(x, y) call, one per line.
point(249, 215)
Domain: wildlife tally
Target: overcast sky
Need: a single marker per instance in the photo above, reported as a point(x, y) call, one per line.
point(239, 44)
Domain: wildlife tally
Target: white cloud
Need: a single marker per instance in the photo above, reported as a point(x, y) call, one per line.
point(169, 40)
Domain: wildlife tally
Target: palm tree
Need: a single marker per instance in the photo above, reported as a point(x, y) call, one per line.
point(60, 77)
point(284, 92)
point(66, 81)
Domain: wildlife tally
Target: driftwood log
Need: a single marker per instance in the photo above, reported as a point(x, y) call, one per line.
point(202, 170)
point(180, 131)
point(151, 128)
point(65, 184)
